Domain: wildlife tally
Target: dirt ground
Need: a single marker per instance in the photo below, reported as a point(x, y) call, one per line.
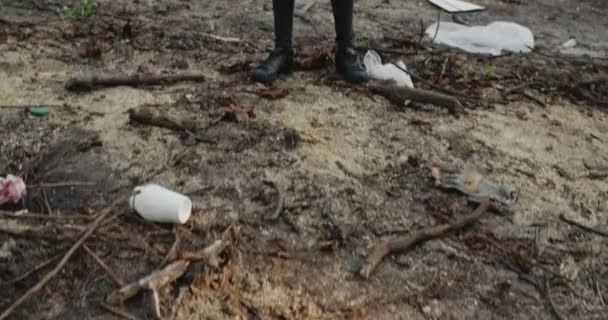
point(352, 166)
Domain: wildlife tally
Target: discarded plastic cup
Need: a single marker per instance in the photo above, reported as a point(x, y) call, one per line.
point(158, 204)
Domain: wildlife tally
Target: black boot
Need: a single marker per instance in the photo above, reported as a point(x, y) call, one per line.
point(346, 58)
point(280, 59)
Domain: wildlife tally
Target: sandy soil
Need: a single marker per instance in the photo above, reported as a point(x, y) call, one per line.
point(354, 167)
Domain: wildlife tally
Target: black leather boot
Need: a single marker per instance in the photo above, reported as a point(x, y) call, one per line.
point(280, 60)
point(348, 66)
point(346, 57)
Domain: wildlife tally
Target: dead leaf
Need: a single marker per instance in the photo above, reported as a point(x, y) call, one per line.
point(239, 66)
point(313, 57)
point(238, 114)
point(273, 93)
point(92, 49)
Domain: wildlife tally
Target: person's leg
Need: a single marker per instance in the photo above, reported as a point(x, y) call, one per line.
point(346, 59)
point(281, 58)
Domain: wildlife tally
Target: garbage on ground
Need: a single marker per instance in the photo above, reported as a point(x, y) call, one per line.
point(40, 111)
point(376, 70)
point(454, 6)
point(570, 43)
point(6, 251)
point(493, 38)
point(158, 204)
point(473, 184)
point(12, 189)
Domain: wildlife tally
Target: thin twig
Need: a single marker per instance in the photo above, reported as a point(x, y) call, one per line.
point(172, 251)
point(582, 226)
point(546, 291)
point(121, 313)
point(104, 266)
point(92, 227)
point(42, 216)
point(280, 201)
point(62, 184)
point(402, 243)
point(36, 268)
point(46, 202)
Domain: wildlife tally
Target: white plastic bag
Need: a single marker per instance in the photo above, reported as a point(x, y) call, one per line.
point(376, 70)
point(12, 189)
point(491, 39)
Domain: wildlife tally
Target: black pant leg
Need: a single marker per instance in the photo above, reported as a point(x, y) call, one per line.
point(343, 21)
point(283, 22)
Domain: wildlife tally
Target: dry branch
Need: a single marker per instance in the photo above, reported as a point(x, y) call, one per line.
point(90, 230)
point(154, 281)
point(398, 96)
point(89, 84)
point(210, 254)
point(160, 278)
point(159, 118)
point(402, 243)
point(104, 266)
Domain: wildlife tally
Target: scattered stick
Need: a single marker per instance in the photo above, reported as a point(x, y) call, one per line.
point(582, 226)
point(36, 268)
point(27, 106)
point(104, 266)
point(91, 229)
point(62, 184)
point(89, 84)
point(172, 251)
point(220, 38)
point(398, 95)
point(152, 282)
point(280, 201)
point(158, 118)
point(402, 243)
point(121, 313)
point(210, 254)
point(42, 216)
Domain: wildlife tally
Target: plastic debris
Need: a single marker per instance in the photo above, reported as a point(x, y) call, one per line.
point(454, 6)
point(570, 43)
point(475, 185)
point(12, 189)
point(158, 204)
point(40, 111)
point(493, 38)
point(376, 70)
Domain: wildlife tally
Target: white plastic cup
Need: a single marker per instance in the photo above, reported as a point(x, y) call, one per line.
point(158, 204)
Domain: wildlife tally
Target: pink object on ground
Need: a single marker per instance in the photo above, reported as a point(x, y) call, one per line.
point(12, 189)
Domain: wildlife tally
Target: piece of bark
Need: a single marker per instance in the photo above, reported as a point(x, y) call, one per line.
point(89, 84)
point(398, 96)
point(160, 118)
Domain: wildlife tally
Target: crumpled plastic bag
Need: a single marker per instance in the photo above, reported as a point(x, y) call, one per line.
point(376, 70)
point(12, 189)
point(490, 39)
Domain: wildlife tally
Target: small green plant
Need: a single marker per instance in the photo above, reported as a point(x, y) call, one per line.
point(488, 71)
point(84, 9)
point(361, 39)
